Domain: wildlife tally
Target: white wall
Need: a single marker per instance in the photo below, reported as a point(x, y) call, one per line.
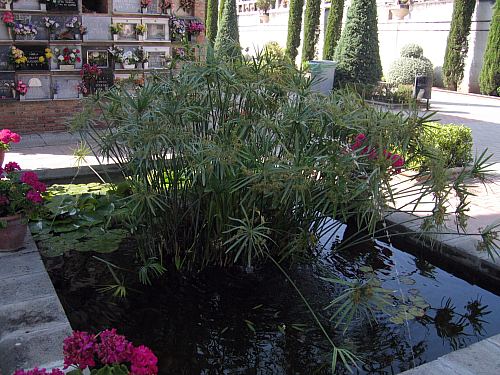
point(427, 24)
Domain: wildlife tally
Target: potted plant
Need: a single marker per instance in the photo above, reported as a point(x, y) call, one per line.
point(25, 32)
point(117, 54)
point(20, 195)
point(144, 5)
point(73, 27)
point(8, 20)
point(194, 28)
point(116, 28)
point(89, 73)
point(401, 10)
point(51, 26)
point(129, 60)
point(7, 137)
point(166, 7)
point(67, 58)
point(187, 5)
point(43, 5)
point(21, 89)
point(141, 31)
point(17, 57)
point(264, 6)
point(177, 28)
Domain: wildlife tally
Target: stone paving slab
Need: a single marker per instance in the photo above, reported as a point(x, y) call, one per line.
point(33, 324)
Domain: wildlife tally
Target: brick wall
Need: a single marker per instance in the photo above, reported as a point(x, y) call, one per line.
point(29, 117)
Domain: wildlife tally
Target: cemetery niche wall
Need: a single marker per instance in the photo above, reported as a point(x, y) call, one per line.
point(66, 49)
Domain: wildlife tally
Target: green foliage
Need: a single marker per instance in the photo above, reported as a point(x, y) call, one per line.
point(452, 144)
point(221, 9)
point(274, 51)
point(411, 63)
point(311, 29)
point(333, 28)
point(264, 5)
point(80, 217)
point(357, 52)
point(294, 28)
point(211, 20)
point(457, 44)
point(489, 80)
point(227, 42)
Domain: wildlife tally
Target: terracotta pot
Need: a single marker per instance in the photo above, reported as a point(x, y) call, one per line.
point(12, 237)
point(2, 157)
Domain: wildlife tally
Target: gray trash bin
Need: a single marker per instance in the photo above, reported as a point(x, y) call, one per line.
point(323, 73)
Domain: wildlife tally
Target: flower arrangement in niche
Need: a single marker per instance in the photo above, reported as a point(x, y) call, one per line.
point(17, 57)
point(8, 19)
point(46, 56)
point(67, 56)
point(20, 192)
point(141, 29)
point(187, 5)
point(177, 28)
point(116, 28)
point(21, 88)
point(72, 23)
point(50, 24)
point(130, 58)
point(145, 3)
point(90, 71)
point(25, 30)
point(103, 354)
point(8, 137)
point(166, 6)
point(195, 27)
point(117, 53)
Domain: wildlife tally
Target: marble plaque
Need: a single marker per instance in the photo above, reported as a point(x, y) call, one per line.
point(33, 54)
point(38, 86)
point(26, 5)
point(62, 5)
point(127, 6)
point(66, 87)
point(37, 21)
point(157, 29)
point(105, 81)
point(54, 64)
point(97, 28)
point(6, 79)
point(4, 58)
point(158, 57)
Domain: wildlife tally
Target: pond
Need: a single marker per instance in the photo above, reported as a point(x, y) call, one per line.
point(241, 322)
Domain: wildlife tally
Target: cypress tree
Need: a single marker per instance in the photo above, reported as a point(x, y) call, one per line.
point(227, 42)
point(333, 28)
point(489, 80)
point(311, 29)
point(294, 28)
point(457, 45)
point(221, 9)
point(211, 22)
point(358, 52)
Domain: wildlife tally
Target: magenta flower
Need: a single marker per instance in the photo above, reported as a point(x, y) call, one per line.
point(29, 178)
point(11, 167)
point(143, 362)
point(114, 348)
point(397, 163)
point(39, 186)
point(358, 141)
point(79, 350)
point(7, 136)
point(34, 196)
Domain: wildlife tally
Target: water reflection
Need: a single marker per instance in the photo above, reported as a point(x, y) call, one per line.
point(232, 323)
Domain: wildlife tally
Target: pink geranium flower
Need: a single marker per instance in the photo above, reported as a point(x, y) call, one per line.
point(11, 167)
point(114, 348)
point(79, 350)
point(143, 362)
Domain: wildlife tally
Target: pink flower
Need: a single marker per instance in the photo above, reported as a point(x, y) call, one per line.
point(79, 350)
point(114, 348)
point(11, 167)
point(39, 186)
point(29, 178)
point(5, 136)
point(358, 141)
point(143, 362)
point(15, 138)
point(34, 196)
point(397, 163)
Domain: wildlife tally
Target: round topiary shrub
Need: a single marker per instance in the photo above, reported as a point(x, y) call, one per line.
point(411, 63)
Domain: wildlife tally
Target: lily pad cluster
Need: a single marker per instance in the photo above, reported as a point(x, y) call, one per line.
point(85, 217)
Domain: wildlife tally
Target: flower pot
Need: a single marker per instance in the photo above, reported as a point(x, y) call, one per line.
point(145, 65)
point(128, 66)
point(115, 37)
point(2, 157)
point(66, 67)
point(80, 95)
point(12, 236)
point(118, 65)
point(43, 7)
point(78, 37)
point(22, 97)
point(140, 38)
point(11, 33)
point(144, 10)
point(400, 12)
point(14, 95)
point(7, 6)
point(264, 18)
point(55, 97)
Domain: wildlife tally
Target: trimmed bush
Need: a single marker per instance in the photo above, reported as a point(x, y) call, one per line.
point(311, 29)
point(212, 19)
point(264, 5)
point(333, 28)
point(411, 63)
point(274, 50)
point(451, 142)
point(457, 44)
point(489, 80)
point(358, 51)
point(294, 28)
point(227, 42)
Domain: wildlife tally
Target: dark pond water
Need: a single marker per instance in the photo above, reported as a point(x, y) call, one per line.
point(232, 322)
